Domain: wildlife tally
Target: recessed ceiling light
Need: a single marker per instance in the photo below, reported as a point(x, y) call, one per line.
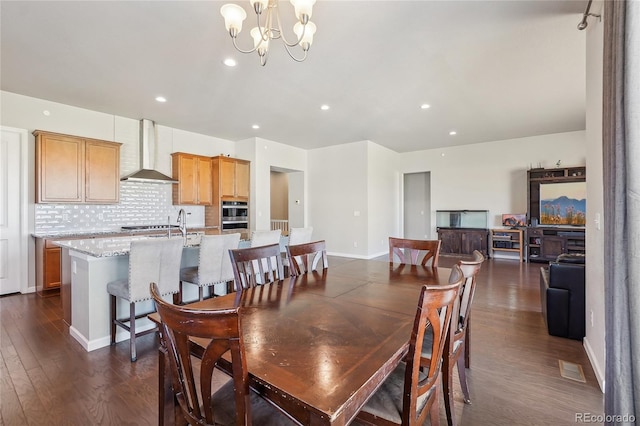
point(453, 133)
point(161, 99)
point(324, 107)
point(255, 126)
point(230, 62)
point(442, 154)
point(46, 112)
point(425, 106)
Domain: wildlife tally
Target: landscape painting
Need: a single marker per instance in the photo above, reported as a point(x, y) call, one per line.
point(563, 203)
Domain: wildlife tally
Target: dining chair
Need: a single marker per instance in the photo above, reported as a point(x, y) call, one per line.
point(296, 236)
point(264, 238)
point(256, 265)
point(214, 265)
point(414, 251)
point(307, 257)
point(153, 260)
point(234, 402)
point(410, 392)
point(458, 340)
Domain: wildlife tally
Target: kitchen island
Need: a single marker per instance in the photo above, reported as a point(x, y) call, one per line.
point(87, 266)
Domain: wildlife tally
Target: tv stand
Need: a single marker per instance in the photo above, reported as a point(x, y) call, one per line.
point(545, 244)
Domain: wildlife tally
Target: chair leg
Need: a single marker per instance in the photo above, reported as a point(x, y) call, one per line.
point(467, 341)
point(112, 309)
point(132, 331)
point(462, 375)
point(447, 387)
point(434, 411)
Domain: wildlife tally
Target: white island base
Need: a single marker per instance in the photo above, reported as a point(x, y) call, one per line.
point(88, 277)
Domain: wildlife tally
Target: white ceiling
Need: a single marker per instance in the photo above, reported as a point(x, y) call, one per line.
point(491, 70)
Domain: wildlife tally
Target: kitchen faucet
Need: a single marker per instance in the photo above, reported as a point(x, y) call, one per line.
point(182, 223)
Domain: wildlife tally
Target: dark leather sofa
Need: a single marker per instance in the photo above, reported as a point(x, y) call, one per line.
point(562, 296)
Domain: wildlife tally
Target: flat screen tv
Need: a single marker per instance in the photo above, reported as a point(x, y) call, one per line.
point(563, 203)
point(514, 220)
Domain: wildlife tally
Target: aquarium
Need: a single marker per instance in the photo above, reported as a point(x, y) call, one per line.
point(462, 219)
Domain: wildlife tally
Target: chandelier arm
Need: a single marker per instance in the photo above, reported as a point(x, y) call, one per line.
point(284, 39)
point(241, 50)
point(292, 56)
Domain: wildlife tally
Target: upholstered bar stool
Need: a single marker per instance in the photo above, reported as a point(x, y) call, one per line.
point(214, 265)
point(297, 236)
point(154, 260)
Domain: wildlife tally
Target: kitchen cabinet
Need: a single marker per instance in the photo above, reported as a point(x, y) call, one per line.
point(47, 267)
point(230, 183)
point(233, 178)
point(195, 179)
point(463, 241)
point(72, 169)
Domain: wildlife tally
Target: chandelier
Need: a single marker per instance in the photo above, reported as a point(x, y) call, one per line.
point(271, 29)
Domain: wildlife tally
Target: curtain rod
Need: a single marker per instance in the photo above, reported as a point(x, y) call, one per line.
point(583, 23)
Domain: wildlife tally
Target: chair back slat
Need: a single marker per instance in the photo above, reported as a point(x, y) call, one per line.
point(414, 252)
point(307, 257)
point(256, 265)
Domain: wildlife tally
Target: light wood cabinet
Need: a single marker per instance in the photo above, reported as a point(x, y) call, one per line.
point(72, 169)
point(230, 183)
point(507, 240)
point(194, 174)
point(233, 178)
point(47, 267)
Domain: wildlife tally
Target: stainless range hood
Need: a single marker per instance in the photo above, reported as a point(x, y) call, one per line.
point(147, 144)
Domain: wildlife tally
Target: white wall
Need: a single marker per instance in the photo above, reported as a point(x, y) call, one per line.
point(594, 341)
point(383, 198)
point(337, 202)
point(493, 175)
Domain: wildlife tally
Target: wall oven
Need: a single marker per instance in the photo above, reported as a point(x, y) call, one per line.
point(235, 215)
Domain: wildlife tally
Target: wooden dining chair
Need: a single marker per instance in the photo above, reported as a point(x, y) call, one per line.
point(256, 265)
point(307, 257)
point(234, 402)
point(411, 390)
point(414, 251)
point(214, 266)
point(458, 340)
point(153, 260)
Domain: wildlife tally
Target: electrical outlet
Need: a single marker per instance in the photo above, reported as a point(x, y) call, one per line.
point(101, 216)
point(355, 244)
point(591, 317)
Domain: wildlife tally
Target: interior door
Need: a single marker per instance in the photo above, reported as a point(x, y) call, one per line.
point(10, 241)
point(417, 205)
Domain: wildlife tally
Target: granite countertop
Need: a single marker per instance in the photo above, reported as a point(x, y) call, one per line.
point(52, 235)
point(117, 246)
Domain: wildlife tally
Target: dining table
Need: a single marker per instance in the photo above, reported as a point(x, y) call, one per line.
point(319, 345)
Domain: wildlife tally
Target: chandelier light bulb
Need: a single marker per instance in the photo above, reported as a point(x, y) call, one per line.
point(233, 16)
point(304, 9)
point(305, 34)
point(259, 43)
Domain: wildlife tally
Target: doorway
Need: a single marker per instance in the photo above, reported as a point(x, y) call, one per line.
point(287, 192)
point(13, 211)
point(417, 205)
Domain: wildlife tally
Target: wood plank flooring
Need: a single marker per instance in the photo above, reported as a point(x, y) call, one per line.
point(46, 377)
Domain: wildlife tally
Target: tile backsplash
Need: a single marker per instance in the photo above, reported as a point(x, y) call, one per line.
point(140, 204)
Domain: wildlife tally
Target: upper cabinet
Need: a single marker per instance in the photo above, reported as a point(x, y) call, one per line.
point(233, 178)
point(195, 178)
point(72, 169)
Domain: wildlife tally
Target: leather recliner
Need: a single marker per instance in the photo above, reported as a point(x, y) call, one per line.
point(562, 299)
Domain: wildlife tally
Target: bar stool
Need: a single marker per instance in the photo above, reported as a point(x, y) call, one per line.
point(214, 265)
point(153, 260)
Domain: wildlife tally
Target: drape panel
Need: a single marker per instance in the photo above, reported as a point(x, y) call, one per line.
point(621, 156)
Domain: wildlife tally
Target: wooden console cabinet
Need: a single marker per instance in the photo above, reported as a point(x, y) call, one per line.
point(463, 240)
point(72, 169)
point(545, 244)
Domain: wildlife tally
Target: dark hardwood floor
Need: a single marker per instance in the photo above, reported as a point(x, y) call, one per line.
point(46, 378)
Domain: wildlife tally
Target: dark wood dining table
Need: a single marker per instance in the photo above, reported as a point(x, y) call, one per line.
point(320, 344)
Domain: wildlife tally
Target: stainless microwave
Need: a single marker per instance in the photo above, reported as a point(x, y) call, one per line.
point(235, 215)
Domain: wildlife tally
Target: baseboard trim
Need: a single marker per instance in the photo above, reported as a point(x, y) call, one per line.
point(92, 345)
point(592, 359)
